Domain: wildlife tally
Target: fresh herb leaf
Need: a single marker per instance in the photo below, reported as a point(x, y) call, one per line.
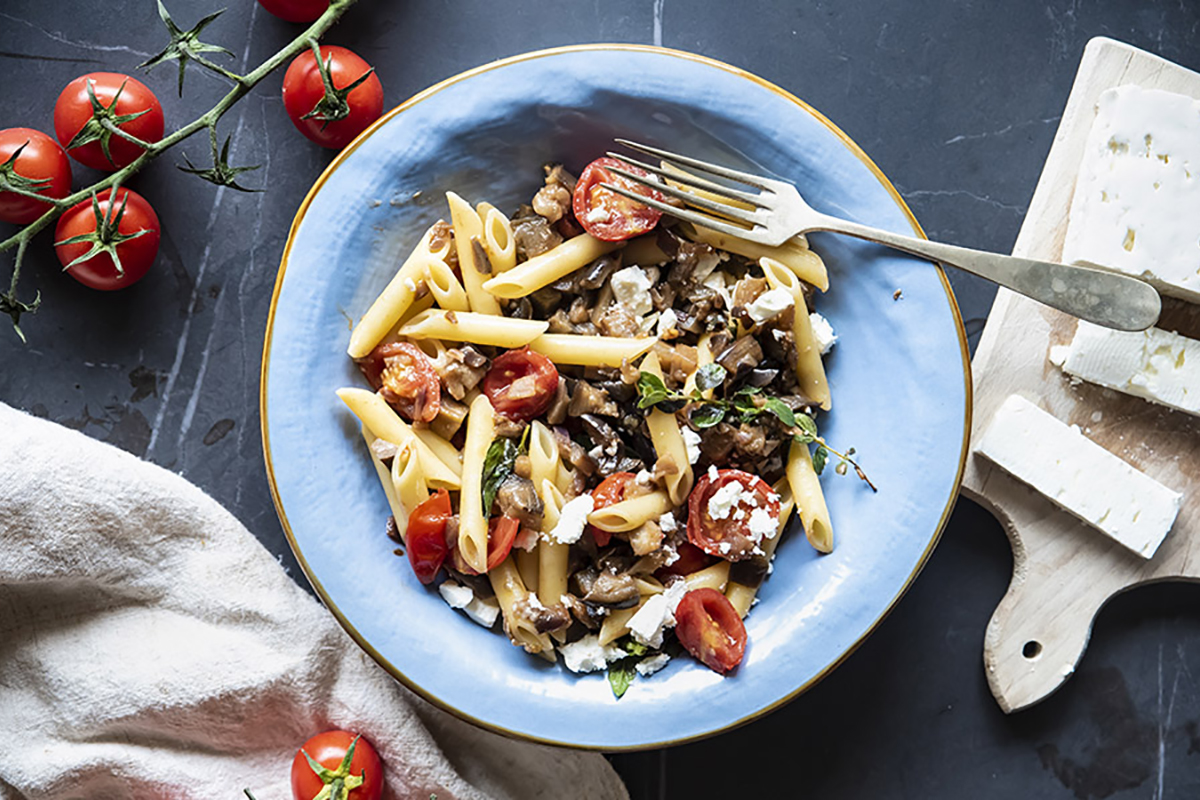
point(651, 389)
point(747, 391)
point(781, 410)
point(620, 676)
point(807, 426)
point(710, 376)
point(707, 415)
point(498, 464)
point(819, 457)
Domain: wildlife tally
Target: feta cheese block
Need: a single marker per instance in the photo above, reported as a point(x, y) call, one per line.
point(1136, 206)
point(1153, 364)
point(1080, 476)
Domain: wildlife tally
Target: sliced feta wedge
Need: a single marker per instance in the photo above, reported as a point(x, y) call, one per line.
point(1080, 476)
point(1136, 206)
point(1153, 364)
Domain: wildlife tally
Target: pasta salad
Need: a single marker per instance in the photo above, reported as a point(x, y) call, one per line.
point(593, 422)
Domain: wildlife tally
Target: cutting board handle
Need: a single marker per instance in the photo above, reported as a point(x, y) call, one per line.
point(1041, 627)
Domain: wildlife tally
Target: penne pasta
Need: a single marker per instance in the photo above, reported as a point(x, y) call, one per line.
point(474, 328)
point(616, 624)
point(473, 261)
point(510, 591)
point(399, 513)
point(374, 412)
point(669, 444)
point(408, 479)
point(809, 498)
point(802, 262)
point(704, 355)
point(590, 351)
point(712, 577)
point(396, 297)
point(629, 514)
point(444, 451)
point(472, 516)
point(445, 288)
point(498, 238)
point(539, 271)
point(527, 565)
point(810, 370)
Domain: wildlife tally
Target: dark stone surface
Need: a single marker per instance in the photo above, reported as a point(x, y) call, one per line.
point(956, 101)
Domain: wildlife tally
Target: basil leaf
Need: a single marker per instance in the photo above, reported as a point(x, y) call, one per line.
point(498, 464)
point(710, 376)
point(706, 416)
point(781, 410)
point(651, 389)
point(620, 675)
point(819, 456)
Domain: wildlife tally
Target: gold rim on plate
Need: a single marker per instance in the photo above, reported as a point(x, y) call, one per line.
point(417, 98)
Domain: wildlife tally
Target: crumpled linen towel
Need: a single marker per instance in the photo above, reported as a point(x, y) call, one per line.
point(150, 647)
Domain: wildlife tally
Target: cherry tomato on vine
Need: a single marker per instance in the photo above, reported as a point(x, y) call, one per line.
point(296, 10)
point(334, 102)
point(90, 233)
point(349, 757)
point(121, 100)
point(709, 627)
point(606, 214)
point(521, 384)
point(40, 166)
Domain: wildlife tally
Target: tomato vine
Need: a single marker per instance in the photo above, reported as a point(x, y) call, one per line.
point(184, 47)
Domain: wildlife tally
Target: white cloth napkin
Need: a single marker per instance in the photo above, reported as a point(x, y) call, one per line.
point(150, 647)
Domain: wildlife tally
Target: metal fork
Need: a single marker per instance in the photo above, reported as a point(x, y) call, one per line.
point(779, 213)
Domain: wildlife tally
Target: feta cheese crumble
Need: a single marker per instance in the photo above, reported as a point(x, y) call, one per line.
point(729, 498)
point(648, 666)
point(588, 655)
point(763, 524)
point(463, 598)
point(769, 304)
point(572, 520)
point(656, 615)
point(822, 332)
point(631, 287)
point(667, 523)
point(691, 441)
point(667, 322)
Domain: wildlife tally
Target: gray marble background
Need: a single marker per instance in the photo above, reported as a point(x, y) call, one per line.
point(956, 101)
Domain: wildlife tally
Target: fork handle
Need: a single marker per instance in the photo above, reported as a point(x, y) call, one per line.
point(1088, 292)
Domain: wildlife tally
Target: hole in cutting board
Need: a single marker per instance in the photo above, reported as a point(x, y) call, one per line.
point(1032, 650)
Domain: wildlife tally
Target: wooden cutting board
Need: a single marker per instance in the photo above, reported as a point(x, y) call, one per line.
point(1063, 570)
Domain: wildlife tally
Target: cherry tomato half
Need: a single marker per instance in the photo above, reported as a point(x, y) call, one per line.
point(74, 108)
point(303, 89)
point(404, 376)
point(136, 255)
point(611, 490)
point(425, 539)
point(709, 627)
point(606, 214)
point(41, 159)
point(501, 533)
point(521, 384)
point(296, 10)
point(329, 750)
point(730, 536)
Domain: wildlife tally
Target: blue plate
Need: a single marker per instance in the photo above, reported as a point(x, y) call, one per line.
point(899, 376)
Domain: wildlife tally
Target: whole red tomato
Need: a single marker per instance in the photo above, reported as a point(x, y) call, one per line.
point(123, 100)
point(129, 228)
point(332, 120)
point(296, 10)
point(347, 756)
point(41, 167)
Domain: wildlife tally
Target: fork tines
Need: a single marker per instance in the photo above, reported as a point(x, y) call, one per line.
point(755, 220)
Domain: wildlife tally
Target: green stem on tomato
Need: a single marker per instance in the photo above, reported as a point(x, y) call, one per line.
point(242, 86)
point(124, 134)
